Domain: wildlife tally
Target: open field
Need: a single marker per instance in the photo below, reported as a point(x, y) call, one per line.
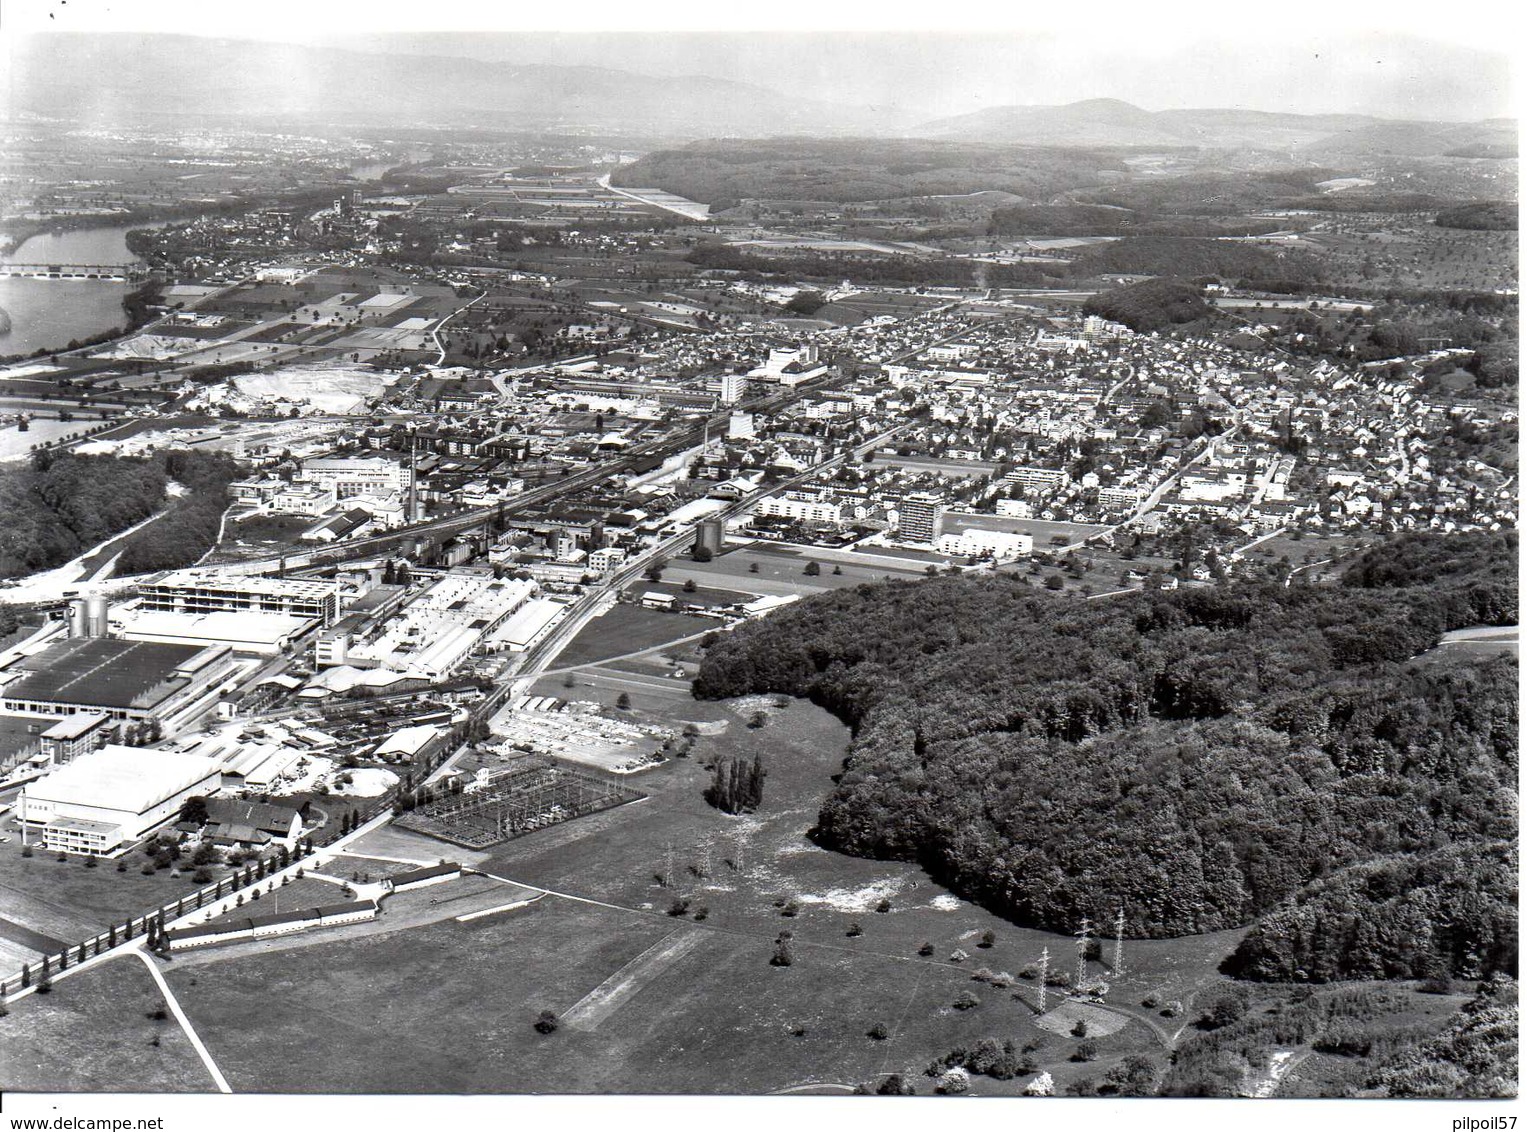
point(92, 1034)
point(68, 901)
point(628, 628)
point(780, 570)
point(653, 1002)
point(650, 1001)
point(676, 572)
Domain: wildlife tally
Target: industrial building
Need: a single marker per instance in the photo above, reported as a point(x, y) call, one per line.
point(252, 634)
point(711, 535)
point(528, 625)
point(277, 923)
point(112, 798)
point(123, 680)
point(217, 591)
point(442, 627)
point(74, 735)
point(350, 476)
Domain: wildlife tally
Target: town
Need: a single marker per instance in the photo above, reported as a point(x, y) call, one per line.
point(368, 545)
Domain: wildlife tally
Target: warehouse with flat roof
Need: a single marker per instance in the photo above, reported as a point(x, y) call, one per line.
point(250, 633)
point(124, 680)
point(110, 799)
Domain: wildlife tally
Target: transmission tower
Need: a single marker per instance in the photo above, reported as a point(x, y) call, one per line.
point(1044, 974)
point(1118, 943)
point(668, 866)
point(1083, 937)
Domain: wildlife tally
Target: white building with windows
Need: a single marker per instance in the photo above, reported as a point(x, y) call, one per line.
point(109, 799)
point(972, 543)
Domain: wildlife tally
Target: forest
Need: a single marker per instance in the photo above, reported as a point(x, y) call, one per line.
point(1186, 257)
point(190, 527)
point(1481, 215)
point(1153, 305)
point(1210, 758)
point(57, 507)
point(724, 172)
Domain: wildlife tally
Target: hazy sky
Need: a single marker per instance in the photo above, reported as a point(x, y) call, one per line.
point(1394, 58)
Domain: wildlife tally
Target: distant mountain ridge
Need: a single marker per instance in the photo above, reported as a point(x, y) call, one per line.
point(103, 80)
point(1111, 122)
point(118, 78)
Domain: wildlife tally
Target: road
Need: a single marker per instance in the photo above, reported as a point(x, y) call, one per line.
point(439, 326)
point(537, 661)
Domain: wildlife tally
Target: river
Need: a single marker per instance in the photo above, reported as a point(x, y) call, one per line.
point(48, 313)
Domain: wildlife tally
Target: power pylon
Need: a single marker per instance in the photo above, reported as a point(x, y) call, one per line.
point(1083, 937)
point(1118, 943)
point(1044, 975)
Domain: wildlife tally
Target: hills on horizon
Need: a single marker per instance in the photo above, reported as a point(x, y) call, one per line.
point(1112, 122)
point(123, 78)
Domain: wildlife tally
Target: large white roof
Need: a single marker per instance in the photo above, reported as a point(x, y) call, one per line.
point(230, 628)
point(123, 778)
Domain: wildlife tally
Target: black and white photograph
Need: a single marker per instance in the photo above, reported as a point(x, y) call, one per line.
point(807, 563)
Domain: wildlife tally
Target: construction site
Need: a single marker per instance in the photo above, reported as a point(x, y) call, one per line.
point(528, 794)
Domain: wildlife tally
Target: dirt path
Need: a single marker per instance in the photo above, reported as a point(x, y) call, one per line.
point(1279, 1066)
point(593, 1008)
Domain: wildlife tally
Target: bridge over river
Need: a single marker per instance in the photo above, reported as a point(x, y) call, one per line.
point(118, 272)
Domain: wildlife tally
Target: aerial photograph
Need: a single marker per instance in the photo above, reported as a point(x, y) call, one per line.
point(635, 555)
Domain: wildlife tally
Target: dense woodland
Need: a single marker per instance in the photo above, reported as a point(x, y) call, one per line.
point(190, 528)
point(1153, 305)
point(1385, 1047)
point(1051, 220)
point(1483, 215)
point(1191, 258)
point(724, 172)
point(1208, 758)
point(58, 507)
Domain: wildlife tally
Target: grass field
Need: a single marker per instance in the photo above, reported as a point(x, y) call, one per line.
point(66, 900)
point(676, 573)
point(781, 570)
point(625, 629)
point(656, 1002)
point(92, 1034)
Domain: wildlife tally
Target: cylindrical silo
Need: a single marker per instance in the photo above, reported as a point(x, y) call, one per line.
point(95, 616)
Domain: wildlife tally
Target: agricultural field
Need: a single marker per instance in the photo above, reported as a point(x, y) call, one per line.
point(97, 1032)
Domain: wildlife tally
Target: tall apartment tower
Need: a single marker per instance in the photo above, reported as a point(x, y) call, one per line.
point(733, 387)
point(919, 517)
